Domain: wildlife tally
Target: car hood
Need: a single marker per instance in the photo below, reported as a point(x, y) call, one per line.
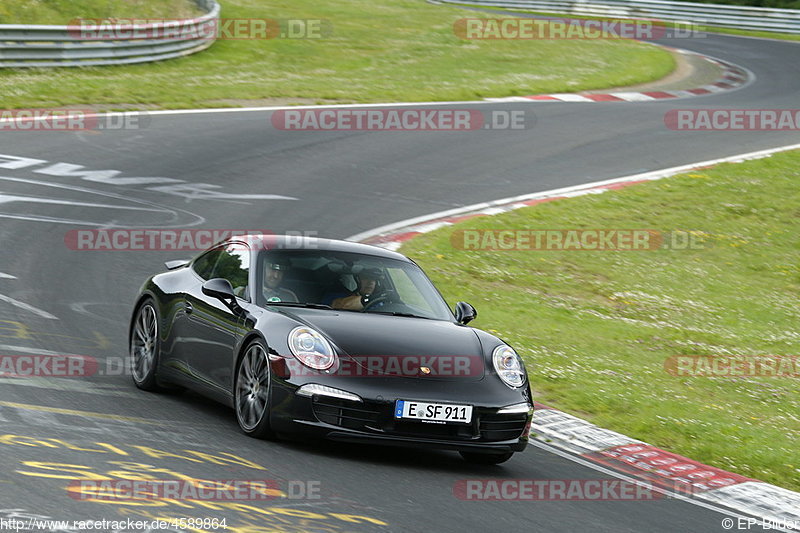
point(399, 346)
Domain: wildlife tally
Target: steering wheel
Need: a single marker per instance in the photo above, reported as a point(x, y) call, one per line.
point(368, 301)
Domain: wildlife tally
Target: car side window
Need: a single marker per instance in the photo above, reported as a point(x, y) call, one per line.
point(204, 265)
point(233, 264)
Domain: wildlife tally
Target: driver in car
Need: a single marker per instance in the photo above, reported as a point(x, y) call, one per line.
point(274, 272)
point(368, 287)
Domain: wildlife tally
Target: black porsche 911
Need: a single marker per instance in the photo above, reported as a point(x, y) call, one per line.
point(316, 337)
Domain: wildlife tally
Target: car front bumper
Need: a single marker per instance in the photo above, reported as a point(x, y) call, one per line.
point(372, 420)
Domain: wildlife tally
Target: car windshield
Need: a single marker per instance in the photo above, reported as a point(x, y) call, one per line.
point(348, 282)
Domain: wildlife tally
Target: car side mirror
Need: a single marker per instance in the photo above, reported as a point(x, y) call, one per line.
point(221, 289)
point(465, 313)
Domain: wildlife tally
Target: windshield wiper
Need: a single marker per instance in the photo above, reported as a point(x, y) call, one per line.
point(301, 304)
point(395, 313)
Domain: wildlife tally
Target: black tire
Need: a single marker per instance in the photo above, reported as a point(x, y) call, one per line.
point(144, 346)
point(253, 391)
point(486, 458)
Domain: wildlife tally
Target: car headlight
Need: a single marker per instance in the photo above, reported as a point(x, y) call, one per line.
point(508, 366)
point(311, 348)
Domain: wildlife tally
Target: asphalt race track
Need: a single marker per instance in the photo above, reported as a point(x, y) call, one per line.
point(56, 300)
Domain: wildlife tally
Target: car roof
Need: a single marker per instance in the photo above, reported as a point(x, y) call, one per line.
point(300, 243)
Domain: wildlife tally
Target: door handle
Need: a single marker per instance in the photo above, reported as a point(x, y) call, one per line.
point(188, 308)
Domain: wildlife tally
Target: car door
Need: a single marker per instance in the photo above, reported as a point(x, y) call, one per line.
point(182, 343)
point(212, 327)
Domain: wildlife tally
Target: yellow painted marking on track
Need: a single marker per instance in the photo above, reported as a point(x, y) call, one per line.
point(18, 330)
point(75, 412)
point(101, 341)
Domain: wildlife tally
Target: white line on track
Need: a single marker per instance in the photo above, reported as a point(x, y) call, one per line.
point(3, 275)
point(85, 191)
point(59, 383)
point(27, 307)
point(35, 351)
point(11, 198)
point(277, 108)
point(69, 385)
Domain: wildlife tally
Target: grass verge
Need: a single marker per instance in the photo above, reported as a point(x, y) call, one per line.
point(395, 50)
point(596, 327)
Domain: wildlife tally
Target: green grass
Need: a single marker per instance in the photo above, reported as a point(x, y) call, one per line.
point(61, 12)
point(595, 327)
point(392, 50)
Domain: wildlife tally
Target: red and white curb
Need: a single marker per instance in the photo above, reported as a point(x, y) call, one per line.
point(733, 77)
point(603, 448)
point(667, 470)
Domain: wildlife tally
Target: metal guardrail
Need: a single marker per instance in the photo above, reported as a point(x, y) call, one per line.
point(23, 45)
point(722, 15)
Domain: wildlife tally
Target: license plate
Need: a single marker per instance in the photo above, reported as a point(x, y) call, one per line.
point(433, 412)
